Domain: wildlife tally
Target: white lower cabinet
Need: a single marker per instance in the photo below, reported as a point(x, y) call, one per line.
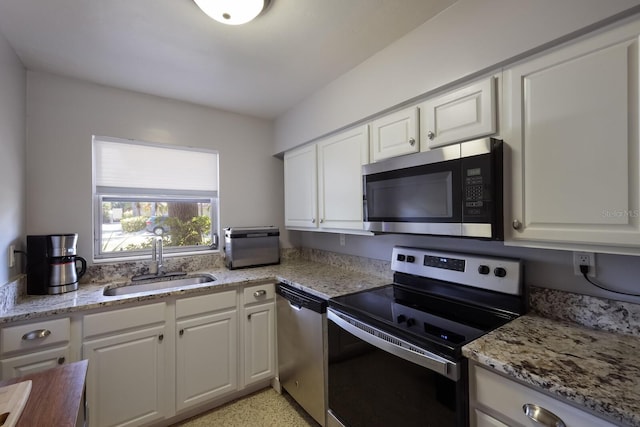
point(126, 379)
point(166, 360)
point(259, 333)
point(206, 348)
point(34, 346)
point(496, 401)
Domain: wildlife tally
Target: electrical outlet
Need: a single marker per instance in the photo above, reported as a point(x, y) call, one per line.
point(584, 258)
point(12, 256)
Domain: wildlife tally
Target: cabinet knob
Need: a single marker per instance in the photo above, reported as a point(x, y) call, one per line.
point(431, 135)
point(313, 220)
point(412, 141)
point(259, 293)
point(181, 332)
point(61, 360)
point(36, 335)
point(321, 220)
point(161, 337)
point(517, 225)
point(542, 416)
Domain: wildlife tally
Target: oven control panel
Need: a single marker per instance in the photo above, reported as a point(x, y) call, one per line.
point(486, 272)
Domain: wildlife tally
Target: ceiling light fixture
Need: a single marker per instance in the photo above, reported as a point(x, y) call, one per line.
point(232, 12)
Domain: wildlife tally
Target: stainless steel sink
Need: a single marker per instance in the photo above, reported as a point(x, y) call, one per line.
point(156, 285)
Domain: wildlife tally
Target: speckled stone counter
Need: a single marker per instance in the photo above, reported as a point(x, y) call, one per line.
point(595, 369)
point(318, 278)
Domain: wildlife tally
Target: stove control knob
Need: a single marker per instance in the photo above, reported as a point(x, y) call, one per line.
point(411, 322)
point(500, 272)
point(402, 318)
point(411, 258)
point(484, 269)
point(401, 257)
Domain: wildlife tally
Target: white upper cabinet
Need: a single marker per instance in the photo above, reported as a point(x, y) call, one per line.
point(323, 182)
point(572, 116)
point(395, 134)
point(464, 114)
point(300, 188)
point(340, 160)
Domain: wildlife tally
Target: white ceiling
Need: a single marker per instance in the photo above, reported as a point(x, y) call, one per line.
point(170, 48)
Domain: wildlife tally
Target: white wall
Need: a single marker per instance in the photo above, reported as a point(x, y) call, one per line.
point(468, 38)
point(63, 114)
point(12, 157)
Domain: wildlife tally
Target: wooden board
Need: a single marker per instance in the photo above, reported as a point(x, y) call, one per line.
point(13, 398)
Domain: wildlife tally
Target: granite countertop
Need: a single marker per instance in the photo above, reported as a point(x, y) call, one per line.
point(597, 370)
point(317, 278)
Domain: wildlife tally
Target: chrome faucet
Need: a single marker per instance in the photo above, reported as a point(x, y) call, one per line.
point(156, 266)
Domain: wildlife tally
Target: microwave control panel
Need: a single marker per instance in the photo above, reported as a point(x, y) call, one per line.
point(478, 188)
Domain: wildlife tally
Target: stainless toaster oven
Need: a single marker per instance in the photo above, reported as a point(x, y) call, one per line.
point(251, 246)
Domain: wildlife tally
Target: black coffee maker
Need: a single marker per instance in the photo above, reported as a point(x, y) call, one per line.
point(52, 264)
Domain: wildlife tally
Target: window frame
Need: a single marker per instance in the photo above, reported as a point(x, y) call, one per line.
point(101, 194)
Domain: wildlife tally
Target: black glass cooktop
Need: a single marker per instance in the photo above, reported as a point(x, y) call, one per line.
point(437, 324)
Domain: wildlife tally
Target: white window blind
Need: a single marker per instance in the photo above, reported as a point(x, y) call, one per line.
point(126, 164)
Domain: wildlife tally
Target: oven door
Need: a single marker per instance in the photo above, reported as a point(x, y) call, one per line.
point(378, 380)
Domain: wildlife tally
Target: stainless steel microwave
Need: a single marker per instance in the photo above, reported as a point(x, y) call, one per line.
point(451, 191)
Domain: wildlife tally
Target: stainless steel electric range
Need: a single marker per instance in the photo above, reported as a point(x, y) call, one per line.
point(395, 353)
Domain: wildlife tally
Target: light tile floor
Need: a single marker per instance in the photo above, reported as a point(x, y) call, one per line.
point(265, 408)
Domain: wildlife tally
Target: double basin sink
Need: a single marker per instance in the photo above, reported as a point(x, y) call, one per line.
point(157, 283)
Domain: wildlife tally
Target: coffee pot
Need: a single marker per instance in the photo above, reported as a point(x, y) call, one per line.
point(52, 264)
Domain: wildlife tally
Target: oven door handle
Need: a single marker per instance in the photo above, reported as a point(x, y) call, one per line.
point(394, 345)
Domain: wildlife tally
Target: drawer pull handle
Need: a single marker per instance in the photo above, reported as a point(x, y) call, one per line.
point(260, 293)
point(542, 416)
point(36, 335)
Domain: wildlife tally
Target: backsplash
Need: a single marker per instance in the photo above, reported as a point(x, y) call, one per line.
point(101, 273)
point(11, 292)
point(349, 262)
point(592, 312)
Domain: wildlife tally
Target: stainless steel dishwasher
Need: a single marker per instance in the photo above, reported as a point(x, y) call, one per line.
point(302, 357)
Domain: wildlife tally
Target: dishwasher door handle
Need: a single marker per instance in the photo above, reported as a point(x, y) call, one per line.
point(294, 306)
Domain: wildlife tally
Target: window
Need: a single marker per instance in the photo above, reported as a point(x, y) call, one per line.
point(143, 190)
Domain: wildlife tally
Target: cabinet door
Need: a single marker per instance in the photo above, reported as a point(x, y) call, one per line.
point(33, 362)
point(126, 378)
point(259, 343)
point(395, 134)
point(206, 357)
point(300, 188)
point(340, 160)
point(573, 115)
point(460, 115)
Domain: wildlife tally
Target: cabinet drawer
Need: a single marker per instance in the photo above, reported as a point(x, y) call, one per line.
point(34, 335)
point(508, 397)
point(205, 303)
point(34, 362)
point(126, 318)
point(259, 293)
point(484, 420)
